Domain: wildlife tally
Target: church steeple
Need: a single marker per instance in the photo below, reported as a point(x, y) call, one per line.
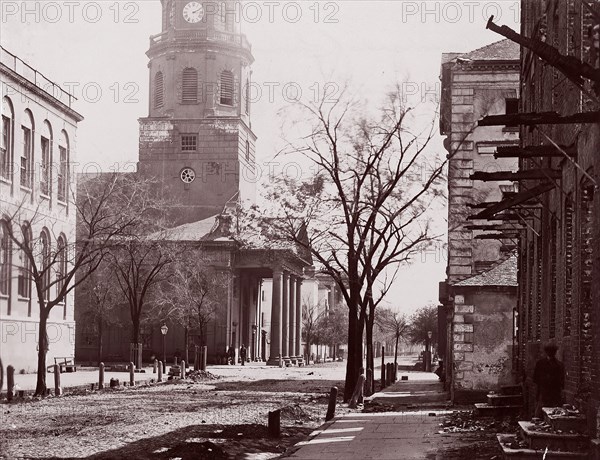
point(197, 137)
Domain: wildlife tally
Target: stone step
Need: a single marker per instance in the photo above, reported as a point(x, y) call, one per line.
point(407, 398)
point(513, 450)
point(537, 438)
point(565, 420)
point(495, 399)
point(487, 410)
point(511, 390)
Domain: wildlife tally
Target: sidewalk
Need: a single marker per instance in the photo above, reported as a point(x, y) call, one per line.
point(406, 435)
point(384, 436)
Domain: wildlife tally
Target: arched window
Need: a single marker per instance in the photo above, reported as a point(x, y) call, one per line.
point(27, 129)
point(45, 166)
point(5, 258)
point(24, 286)
point(227, 88)
point(44, 262)
point(189, 86)
point(6, 140)
point(159, 90)
point(63, 167)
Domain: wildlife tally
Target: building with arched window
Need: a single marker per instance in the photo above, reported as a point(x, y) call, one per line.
point(37, 217)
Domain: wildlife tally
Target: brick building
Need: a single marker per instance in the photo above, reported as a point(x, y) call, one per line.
point(559, 274)
point(37, 151)
point(479, 294)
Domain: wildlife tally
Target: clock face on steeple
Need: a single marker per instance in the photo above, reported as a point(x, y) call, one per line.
point(193, 12)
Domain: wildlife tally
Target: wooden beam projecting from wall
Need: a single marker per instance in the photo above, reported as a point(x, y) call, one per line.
point(513, 201)
point(498, 236)
point(534, 151)
point(529, 174)
point(496, 228)
point(539, 118)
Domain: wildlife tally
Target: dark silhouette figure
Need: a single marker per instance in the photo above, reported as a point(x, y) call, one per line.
point(231, 355)
point(549, 376)
point(243, 354)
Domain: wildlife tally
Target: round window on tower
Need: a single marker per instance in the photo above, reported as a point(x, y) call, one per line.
point(187, 175)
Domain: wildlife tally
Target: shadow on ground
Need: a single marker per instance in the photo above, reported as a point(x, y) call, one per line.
point(271, 385)
point(204, 442)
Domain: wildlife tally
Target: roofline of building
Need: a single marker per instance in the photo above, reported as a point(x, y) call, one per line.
point(34, 89)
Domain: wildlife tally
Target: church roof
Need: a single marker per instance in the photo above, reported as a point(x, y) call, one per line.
point(193, 231)
point(502, 274)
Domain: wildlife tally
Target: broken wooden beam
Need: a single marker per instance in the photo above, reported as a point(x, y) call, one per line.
point(528, 174)
point(513, 201)
point(539, 118)
point(498, 236)
point(535, 151)
point(495, 228)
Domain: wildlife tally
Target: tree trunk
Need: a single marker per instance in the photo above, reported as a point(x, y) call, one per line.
point(136, 330)
point(40, 388)
point(370, 354)
point(100, 339)
point(186, 336)
point(355, 330)
point(396, 351)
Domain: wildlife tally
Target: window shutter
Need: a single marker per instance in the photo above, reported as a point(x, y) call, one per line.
point(227, 87)
point(189, 86)
point(159, 90)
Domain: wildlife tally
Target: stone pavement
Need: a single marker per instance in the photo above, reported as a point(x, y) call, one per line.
point(383, 436)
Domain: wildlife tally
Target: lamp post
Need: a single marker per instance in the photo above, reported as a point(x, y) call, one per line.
point(254, 328)
point(163, 330)
point(428, 352)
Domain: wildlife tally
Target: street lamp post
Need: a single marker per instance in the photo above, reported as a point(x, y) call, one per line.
point(428, 352)
point(163, 330)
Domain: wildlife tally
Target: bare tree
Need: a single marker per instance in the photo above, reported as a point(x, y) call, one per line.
point(104, 211)
point(394, 325)
point(190, 296)
point(365, 206)
point(311, 315)
point(100, 307)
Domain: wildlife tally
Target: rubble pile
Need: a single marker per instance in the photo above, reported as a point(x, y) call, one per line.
point(197, 376)
point(466, 421)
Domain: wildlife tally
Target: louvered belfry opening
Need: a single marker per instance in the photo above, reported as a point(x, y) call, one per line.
point(159, 90)
point(227, 88)
point(189, 86)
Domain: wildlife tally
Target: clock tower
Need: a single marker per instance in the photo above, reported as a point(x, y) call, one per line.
point(197, 139)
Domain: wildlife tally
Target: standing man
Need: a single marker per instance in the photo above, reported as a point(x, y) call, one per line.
point(549, 376)
point(243, 354)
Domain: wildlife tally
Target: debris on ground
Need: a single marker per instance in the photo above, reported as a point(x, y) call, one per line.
point(467, 421)
point(197, 376)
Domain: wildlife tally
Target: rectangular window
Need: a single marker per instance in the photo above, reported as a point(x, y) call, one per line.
point(62, 178)
point(26, 176)
point(512, 108)
point(45, 168)
point(189, 142)
point(5, 149)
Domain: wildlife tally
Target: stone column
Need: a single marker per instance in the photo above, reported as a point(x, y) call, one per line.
point(276, 319)
point(292, 342)
point(299, 351)
point(285, 319)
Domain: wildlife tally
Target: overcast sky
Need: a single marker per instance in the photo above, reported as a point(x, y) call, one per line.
point(97, 50)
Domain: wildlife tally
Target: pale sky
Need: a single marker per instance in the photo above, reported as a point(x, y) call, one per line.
point(97, 50)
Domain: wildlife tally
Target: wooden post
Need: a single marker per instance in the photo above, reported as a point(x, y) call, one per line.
point(160, 371)
point(131, 374)
point(57, 388)
point(332, 402)
point(176, 360)
point(182, 369)
point(196, 358)
point(357, 396)
point(203, 355)
point(388, 374)
point(369, 383)
point(275, 423)
point(101, 376)
point(155, 366)
point(382, 368)
point(10, 382)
